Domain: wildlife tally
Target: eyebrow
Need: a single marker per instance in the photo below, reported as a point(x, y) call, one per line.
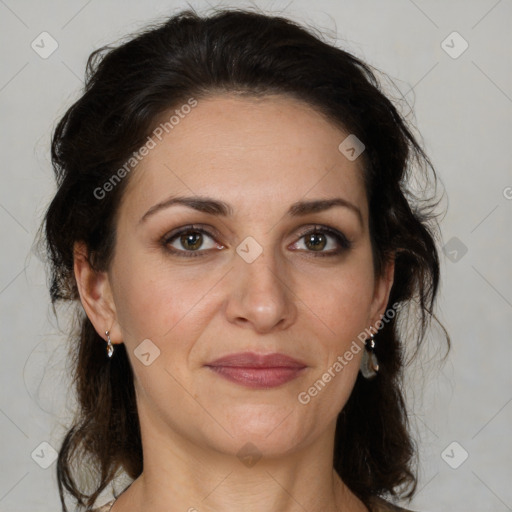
point(220, 208)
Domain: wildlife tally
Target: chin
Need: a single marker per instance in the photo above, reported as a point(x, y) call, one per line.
point(272, 433)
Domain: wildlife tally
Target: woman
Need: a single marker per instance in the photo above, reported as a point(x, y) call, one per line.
point(233, 217)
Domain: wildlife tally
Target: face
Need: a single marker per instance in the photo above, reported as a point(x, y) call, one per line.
point(226, 245)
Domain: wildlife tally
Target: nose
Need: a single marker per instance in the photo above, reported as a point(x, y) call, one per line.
point(260, 295)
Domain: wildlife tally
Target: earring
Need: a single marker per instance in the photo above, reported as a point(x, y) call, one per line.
point(110, 347)
point(369, 363)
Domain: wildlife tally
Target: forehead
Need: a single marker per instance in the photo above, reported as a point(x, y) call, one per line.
point(271, 147)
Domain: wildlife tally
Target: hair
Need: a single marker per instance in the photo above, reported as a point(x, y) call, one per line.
point(129, 87)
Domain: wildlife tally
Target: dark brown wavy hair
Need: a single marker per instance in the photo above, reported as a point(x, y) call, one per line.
point(128, 87)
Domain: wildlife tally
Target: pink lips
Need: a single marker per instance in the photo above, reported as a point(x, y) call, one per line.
point(257, 370)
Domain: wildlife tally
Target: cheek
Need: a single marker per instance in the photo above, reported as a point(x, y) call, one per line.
point(152, 309)
point(157, 302)
point(142, 297)
point(342, 300)
point(353, 298)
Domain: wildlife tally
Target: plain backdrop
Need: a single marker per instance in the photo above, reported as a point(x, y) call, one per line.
point(451, 61)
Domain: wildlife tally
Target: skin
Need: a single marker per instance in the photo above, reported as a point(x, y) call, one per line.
point(260, 156)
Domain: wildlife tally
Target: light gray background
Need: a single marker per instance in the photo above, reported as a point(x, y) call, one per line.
point(463, 110)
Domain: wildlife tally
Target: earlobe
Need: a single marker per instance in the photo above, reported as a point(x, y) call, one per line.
point(95, 293)
point(383, 286)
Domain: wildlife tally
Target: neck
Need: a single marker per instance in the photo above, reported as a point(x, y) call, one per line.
point(182, 476)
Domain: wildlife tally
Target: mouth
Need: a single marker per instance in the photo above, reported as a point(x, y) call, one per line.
point(258, 370)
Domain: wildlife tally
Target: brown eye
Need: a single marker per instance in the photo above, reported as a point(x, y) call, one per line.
point(190, 241)
point(323, 241)
point(315, 241)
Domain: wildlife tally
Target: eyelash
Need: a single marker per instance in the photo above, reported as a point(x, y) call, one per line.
point(340, 238)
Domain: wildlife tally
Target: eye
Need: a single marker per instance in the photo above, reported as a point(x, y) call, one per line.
point(323, 241)
point(190, 240)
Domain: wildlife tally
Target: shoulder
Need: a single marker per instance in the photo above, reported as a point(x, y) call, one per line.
point(381, 505)
point(104, 508)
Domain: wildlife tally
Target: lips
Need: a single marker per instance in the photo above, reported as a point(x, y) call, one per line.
point(257, 370)
point(253, 360)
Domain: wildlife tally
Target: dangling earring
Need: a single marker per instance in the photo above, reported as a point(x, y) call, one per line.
point(110, 347)
point(369, 364)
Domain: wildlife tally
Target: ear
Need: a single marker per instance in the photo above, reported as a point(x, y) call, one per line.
point(95, 294)
point(383, 285)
